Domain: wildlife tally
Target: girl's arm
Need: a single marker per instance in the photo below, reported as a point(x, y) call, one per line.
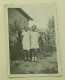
point(38, 38)
point(22, 35)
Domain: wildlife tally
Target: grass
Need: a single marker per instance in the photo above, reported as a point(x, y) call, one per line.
point(46, 65)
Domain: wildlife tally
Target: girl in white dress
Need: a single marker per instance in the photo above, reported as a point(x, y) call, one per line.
point(34, 43)
point(26, 42)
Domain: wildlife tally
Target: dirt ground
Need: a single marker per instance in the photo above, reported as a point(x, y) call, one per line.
point(45, 65)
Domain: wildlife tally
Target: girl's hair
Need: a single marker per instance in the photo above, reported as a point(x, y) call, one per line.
point(34, 26)
point(25, 27)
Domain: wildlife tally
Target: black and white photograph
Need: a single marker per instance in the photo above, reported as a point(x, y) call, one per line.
point(32, 40)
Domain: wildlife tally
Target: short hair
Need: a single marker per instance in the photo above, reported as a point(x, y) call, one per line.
point(26, 26)
point(34, 26)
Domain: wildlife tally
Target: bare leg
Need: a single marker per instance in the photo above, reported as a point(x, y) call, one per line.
point(32, 55)
point(25, 55)
point(35, 54)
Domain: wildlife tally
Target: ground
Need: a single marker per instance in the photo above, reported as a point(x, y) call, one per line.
point(45, 64)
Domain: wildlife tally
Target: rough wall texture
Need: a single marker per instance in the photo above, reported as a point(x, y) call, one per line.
point(16, 21)
point(14, 14)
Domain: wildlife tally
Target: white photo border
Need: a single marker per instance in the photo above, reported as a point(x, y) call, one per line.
point(7, 44)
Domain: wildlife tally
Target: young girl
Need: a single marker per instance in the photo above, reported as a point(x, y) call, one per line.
point(34, 43)
point(26, 42)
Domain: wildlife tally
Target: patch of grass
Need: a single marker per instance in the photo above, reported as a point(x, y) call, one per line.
point(45, 65)
point(49, 70)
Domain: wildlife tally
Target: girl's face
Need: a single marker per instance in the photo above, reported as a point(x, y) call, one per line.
point(26, 29)
point(33, 28)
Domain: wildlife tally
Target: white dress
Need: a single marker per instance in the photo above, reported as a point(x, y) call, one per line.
point(34, 40)
point(26, 40)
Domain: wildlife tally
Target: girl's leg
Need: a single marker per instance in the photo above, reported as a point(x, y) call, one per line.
point(35, 54)
point(29, 55)
point(26, 54)
point(33, 51)
point(32, 54)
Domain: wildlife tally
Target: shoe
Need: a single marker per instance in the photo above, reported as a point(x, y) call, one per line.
point(35, 59)
point(32, 59)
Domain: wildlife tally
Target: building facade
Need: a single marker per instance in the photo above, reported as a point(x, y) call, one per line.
point(17, 20)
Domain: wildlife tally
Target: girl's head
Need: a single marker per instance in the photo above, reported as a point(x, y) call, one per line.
point(34, 27)
point(26, 28)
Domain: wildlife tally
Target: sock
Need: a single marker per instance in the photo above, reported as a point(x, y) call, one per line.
point(32, 58)
point(35, 58)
